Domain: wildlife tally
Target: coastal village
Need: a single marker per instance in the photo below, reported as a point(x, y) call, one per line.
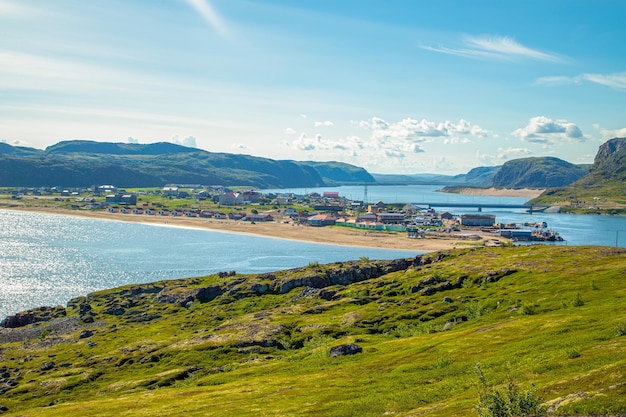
point(221, 204)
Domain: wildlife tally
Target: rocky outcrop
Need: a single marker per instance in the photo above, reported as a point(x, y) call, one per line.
point(343, 350)
point(342, 275)
point(185, 297)
point(35, 315)
point(610, 160)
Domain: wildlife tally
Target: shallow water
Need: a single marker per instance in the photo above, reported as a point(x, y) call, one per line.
point(49, 259)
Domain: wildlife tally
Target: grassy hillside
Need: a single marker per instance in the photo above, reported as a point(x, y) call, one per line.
point(543, 172)
point(250, 345)
point(603, 190)
point(84, 163)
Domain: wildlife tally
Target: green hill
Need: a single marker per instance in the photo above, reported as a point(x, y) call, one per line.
point(249, 345)
point(542, 172)
point(603, 187)
point(84, 163)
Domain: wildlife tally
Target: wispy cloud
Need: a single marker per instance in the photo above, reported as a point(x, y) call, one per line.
point(501, 48)
point(616, 81)
point(502, 155)
point(208, 13)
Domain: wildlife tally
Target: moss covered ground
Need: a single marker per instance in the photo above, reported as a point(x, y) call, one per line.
point(553, 317)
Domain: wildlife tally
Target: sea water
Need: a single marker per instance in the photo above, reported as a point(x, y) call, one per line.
point(46, 260)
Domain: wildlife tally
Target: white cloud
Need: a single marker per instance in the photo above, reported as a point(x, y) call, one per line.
point(399, 146)
point(394, 153)
point(456, 140)
point(396, 144)
point(501, 156)
point(512, 153)
point(544, 130)
point(303, 143)
point(240, 147)
point(495, 48)
point(616, 81)
point(443, 165)
point(416, 131)
point(132, 140)
point(189, 141)
point(324, 123)
point(16, 142)
point(610, 133)
point(290, 131)
point(208, 13)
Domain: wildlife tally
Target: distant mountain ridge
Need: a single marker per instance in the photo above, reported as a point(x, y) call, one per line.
point(536, 172)
point(83, 163)
point(117, 148)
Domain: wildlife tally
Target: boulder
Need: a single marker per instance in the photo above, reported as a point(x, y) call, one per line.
point(47, 366)
point(347, 349)
point(85, 334)
point(35, 315)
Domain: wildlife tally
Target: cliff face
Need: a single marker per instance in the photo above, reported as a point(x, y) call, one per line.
point(610, 161)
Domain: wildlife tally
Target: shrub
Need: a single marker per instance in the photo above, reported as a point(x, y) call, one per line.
point(572, 353)
point(620, 329)
point(507, 402)
point(527, 309)
point(475, 310)
point(578, 302)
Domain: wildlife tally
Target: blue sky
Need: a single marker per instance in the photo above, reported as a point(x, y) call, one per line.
point(392, 86)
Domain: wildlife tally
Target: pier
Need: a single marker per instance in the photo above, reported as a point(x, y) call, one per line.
point(529, 207)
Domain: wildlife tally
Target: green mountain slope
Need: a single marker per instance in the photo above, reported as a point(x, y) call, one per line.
point(340, 172)
point(84, 163)
point(606, 180)
point(249, 345)
point(543, 172)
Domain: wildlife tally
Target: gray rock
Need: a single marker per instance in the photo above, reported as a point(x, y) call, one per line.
point(114, 311)
point(347, 349)
point(47, 366)
point(85, 334)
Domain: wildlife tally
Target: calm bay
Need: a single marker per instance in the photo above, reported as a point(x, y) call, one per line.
point(48, 259)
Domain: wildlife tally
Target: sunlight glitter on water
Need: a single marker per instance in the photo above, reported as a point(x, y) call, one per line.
point(47, 259)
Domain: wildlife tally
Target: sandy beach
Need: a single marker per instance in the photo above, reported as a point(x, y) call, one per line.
point(503, 192)
point(331, 235)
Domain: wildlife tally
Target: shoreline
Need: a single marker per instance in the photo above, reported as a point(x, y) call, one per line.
point(332, 235)
point(501, 192)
